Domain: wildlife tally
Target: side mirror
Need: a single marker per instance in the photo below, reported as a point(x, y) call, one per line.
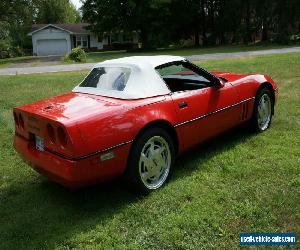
point(219, 83)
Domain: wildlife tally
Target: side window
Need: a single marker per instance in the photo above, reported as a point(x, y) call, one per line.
point(180, 77)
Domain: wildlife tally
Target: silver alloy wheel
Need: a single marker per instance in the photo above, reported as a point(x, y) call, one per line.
point(155, 162)
point(264, 112)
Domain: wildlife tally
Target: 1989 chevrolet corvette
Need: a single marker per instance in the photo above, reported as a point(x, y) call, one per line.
point(132, 116)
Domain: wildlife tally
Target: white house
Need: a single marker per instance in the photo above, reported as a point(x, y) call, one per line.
point(59, 39)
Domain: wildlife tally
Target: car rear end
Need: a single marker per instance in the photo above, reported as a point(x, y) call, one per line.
point(52, 147)
point(45, 145)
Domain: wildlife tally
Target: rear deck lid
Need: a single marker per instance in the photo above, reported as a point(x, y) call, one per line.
point(71, 107)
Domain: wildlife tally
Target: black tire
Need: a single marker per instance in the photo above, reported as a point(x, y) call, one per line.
point(254, 122)
point(132, 175)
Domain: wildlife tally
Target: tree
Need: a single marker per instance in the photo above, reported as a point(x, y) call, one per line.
point(121, 15)
point(17, 16)
point(159, 22)
point(183, 25)
point(55, 11)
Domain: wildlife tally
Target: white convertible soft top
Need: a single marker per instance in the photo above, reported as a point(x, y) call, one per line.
point(143, 80)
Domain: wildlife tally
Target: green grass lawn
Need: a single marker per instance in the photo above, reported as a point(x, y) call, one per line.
point(101, 56)
point(238, 182)
point(9, 61)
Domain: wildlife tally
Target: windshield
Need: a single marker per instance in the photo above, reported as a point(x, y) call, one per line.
point(109, 78)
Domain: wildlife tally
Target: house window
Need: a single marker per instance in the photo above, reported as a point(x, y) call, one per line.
point(115, 38)
point(109, 40)
point(82, 41)
point(127, 37)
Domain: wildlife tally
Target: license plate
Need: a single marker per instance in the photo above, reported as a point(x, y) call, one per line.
point(39, 143)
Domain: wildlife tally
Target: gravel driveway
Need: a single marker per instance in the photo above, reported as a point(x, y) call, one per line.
point(87, 66)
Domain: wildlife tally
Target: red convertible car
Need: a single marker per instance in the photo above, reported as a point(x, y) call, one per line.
point(132, 116)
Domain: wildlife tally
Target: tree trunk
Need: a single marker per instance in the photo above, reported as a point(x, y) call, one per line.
point(282, 23)
point(197, 41)
point(264, 32)
point(204, 38)
point(212, 23)
point(221, 32)
point(247, 36)
point(145, 39)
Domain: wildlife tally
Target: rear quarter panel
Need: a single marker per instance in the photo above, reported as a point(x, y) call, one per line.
point(123, 126)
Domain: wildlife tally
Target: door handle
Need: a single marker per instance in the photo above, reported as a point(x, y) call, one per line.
point(182, 105)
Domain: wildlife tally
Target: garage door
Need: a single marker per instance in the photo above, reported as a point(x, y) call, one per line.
point(51, 47)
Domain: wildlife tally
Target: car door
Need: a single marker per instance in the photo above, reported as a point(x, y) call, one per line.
point(201, 112)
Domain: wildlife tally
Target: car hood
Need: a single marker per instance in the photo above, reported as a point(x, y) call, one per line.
point(237, 78)
point(229, 76)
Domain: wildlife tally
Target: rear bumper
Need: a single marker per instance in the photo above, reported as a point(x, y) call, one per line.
point(72, 173)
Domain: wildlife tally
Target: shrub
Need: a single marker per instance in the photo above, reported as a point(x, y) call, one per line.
point(76, 55)
point(4, 47)
point(16, 51)
point(295, 38)
point(6, 51)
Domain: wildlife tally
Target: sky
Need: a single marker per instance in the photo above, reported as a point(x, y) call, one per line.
point(77, 3)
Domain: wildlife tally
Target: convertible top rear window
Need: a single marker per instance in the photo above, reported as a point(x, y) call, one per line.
point(108, 78)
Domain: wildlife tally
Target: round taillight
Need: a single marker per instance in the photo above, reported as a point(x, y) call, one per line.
point(51, 133)
point(21, 121)
point(62, 136)
point(16, 119)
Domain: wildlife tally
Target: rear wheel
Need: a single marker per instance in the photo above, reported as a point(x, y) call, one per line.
point(262, 114)
point(150, 160)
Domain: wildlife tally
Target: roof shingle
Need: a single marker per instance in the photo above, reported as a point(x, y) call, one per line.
point(71, 27)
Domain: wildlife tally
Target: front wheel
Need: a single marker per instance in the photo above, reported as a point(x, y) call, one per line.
point(150, 160)
point(262, 114)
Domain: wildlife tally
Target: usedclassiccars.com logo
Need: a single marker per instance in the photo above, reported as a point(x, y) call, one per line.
point(268, 239)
